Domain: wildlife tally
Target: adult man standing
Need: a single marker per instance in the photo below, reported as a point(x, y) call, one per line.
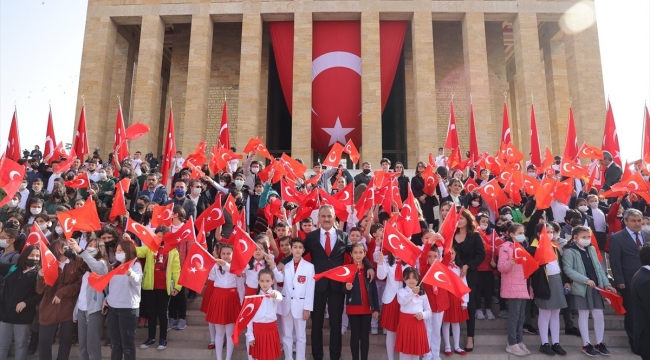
point(156, 192)
point(179, 199)
point(327, 246)
point(364, 176)
point(640, 289)
point(624, 247)
point(613, 172)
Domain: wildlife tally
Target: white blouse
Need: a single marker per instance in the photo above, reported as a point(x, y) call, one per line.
point(411, 303)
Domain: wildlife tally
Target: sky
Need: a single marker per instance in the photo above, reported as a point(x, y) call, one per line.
point(40, 56)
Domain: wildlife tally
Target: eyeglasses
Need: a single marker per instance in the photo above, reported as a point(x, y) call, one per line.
point(420, 166)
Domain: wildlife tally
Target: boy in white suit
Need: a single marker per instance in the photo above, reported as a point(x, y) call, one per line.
point(298, 292)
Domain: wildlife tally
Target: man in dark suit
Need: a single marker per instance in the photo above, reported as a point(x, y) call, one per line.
point(640, 291)
point(624, 260)
point(327, 245)
point(612, 175)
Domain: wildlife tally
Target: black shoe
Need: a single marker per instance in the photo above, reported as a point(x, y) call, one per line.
point(33, 344)
point(546, 349)
point(572, 331)
point(590, 351)
point(558, 349)
point(602, 349)
point(191, 296)
point(529, 329)
point(147, 343)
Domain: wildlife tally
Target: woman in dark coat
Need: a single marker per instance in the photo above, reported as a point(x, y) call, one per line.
point(426, 202)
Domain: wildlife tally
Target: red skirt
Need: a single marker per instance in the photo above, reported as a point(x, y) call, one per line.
point(411, 336)
point(205, 302)
point(390, 316)
point(454, 314)
point(224, 306)
point(248, 291)
point(267, 342)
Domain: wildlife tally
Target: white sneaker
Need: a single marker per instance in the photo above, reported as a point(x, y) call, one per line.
point(374, 331)
point(479, 315)
point(489, 315)
point(515, 350)
point(524, 348)
point(344, 329)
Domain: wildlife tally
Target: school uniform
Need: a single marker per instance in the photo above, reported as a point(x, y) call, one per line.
point(439, 302)
point(393, 282)
point(264, 330)
point(298, 293)
point(454, 314)
point(251, 276)
point(361, 301)
point(411, 332)
point(381, 284)
point(225, 301)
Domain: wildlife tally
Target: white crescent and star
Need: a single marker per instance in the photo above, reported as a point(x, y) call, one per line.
point(346, 272)
point(437, 275)
point(198, 256)
point(564, 167)
point(517, 256)
point(505, 135)
point(12, 173)
point(244, 313)
point(243, 242)
point(65, 225)
point(491, 193)
point(337, 133)
point(218, 212)
point(169, 212)
point(636, 185)
point(347, 195)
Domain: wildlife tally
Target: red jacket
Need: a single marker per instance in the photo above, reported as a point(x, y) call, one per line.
point(615, 224)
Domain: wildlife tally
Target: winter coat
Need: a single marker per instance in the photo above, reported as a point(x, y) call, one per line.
point(66, 288)
point(575, 269)
point(513, 283)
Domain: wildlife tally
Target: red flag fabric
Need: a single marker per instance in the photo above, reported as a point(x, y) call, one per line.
point(255, 145)
point(84, 218)
point(544, 253)
point(473, 143)
point(549, 159)
point(452, 132)
point(571, 143)
point(50, 140)
point(59, 152)
point(120, 146)
point(78, 182)
point(524, 258)
point(626, 172)
point(80, 146)
point(35, 236)
point(512, 188)
point(535, 152)
point(248, 310)
point(243, 249)
point(170, 148)
point(340, 209)
point(409, 216)
point(136, 131)
point(162, 215)
point(455, 158)
point(212, 217)
point(610, 138)
point(271, 210)
point(231, 208)
point(100, 282)
point(200, 235)
point(505, 126)
point(507, 172)
point(429, 175)
point(196, 268)
point(351, 150)
point(346, 195)
point(400, 246)
point(63, 166)
point(184, 234)
point(470, 185)
point(297, 168)
point(145, 234)
point(119, 205)
point(49, 263)
point(447, 231)
point(594, 243)
point(11, 176)
point(530, 184)
point(344, 273)
point(290, 194)
point(13, 151)
point(572, 169)
point(493, 194)
point(366, 202)
point(224, 133)
point(564, 190)
point(308, 204)
point(545, 192)
point(512, 154)
point(197, 158)
point(613, 299)
point(635, 183)
point(334, 157)
point(590, 152)
point(441, 276)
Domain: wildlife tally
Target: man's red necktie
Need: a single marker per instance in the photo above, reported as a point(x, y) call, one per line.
point(328, 246)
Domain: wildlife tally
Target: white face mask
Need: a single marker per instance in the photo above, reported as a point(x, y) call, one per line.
point(255, 170)
point(196, 191)
point(483, 227)
point(44, 227)
point(239, 183)
point(120, 257)
point(593, 205)
point(583, 208)
point(4, 244)
point(532, 173)
point(23, 186)
point(58, 230)
point(13, 203)
point(35, 211)
point(508, 216)
point(584, 242)
point(475, 203)
point(645, 228)
point(92, 251)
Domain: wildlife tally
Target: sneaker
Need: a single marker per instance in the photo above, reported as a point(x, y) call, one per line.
point(495, 300)
point(172, 324)
point(147, 343)
point(572, 331)
point(479, 315)
point(515, 350)
point(529, 329)
point(181, 324)
point(374, 331)
point(589, 350)
point(344, 329)
point(558, 349)
point(546, 349)
point(489, 315)
point(602, 349)
point(524, 348)
point(385, 331)
point(211, 346)
point(162, 344)
point(503, 314)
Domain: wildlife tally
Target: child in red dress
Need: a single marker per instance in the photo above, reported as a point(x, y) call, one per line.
point(262, 335)
point(457, 310)
point(411, 341)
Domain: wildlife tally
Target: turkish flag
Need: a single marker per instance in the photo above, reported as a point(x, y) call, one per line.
point(63, 166)
point(136, 131)
point(59, 152)
point(473, 143)
point(409, 216)
point(100, 282)
point(346, 195)
point(590, 152)
point(200, 235)
point(564, 190)
point(215, 161)
point(530, 184)
point(572, 169)
point(212, 217)
point(455, 158)
point(400, 246)
point(613, 299)
point(196, 171)
point(452, 132)
point(49, 263)
point(344, 273)
point(196, 268)
point(13, 151)
point(334, 157)
point(507, 172)
point(243, 249)
point(78, 182)
point(610, 139)
point(241, 222)
point(352, 151)
point(84, 218)
point(626, 172)
point(170, 148)
point(272, 209)
point(545, 192)
point(447, 231)
point(246, 314)
point(35, 236)
point(224, 133)
point(120, 146)
point(571, 143)
point(635, 183)
point(390, 194)
point(429, 175)
point(197, 158)
point(145, 234)
point(290, 194)
point(340, 209)
point(162, 215)
point(80, 146)
point(524, 258)
point(549, 159)
point(544, 253)
point(119, 205)
point(493, 194)
point(308, 204)
point(231, 208)
point(50, 140)
point(535, 153)
point(513, 186)
point(255, 145)
point(592, 179)
point(11, 176)
point(296, 167)
point(366, 202)
point(646, 136)
point(512, 155)
point(470, 185)
point(505, 125)
point(441, 276)
point(184, 234)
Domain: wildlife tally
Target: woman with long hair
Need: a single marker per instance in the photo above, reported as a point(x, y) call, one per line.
point(11, 243)
point(426, 202)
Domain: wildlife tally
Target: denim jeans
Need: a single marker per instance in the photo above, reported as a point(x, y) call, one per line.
point(121, 326)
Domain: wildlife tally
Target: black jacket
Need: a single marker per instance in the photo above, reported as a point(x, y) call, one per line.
point(353, 297)
point(539, 279)
point(19, 287)
point(640, 294)
point(472, 254)
point(362, 178)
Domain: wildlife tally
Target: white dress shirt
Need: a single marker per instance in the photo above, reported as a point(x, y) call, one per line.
point(599, 220)
point(333, 237)
point(387, 272)
point(225, 280)
point(413, 304)
point(267, 313)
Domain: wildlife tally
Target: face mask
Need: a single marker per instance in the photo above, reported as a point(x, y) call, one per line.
point(58, 230)
point(139, 206)
point(483, 227)
point(23, 186)
point(43, 227)
point(532, 173)
point(102, 176)
point(34, 167)
point(36, 188)
point(91, 251)
point(584, 242)
point(3, 243)
point(562, 242)
point(31, 262)
point(223, 183)
point(35, 211)
point(69, 253)
point(239, 202)
point(239, 183)
point(508, 216)
point(583, 208)
point(255, 170)
point(520, 238)
point(366, 171)
point(645, 228)
point(148, 214)
point(475, 203)
point(13, 203)
point(120, 257)
point(593, 205)
point(179, 192)
point(196, 191)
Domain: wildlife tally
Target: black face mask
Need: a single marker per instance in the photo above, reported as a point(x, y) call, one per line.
point(239, 202)
point(31, 262)
point(69, 253)
point(366, 171)
point(148, 213)
point(139, 206)
point(34, 167)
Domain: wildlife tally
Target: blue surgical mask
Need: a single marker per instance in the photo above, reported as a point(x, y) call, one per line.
point(179, 192)
point(520, 238)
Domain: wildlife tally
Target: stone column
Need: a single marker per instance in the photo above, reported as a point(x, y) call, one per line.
point(424, 75)
point(477, 79)
point(176, 89)
point(498, 80)
point(198, 79)
point(249, 79)
point(301, 97)
point(529, 80)
point(557, 89)
point(146, 106)
point(371, 147)
point(95, 80)
point(585, 75)
point(118, 87)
